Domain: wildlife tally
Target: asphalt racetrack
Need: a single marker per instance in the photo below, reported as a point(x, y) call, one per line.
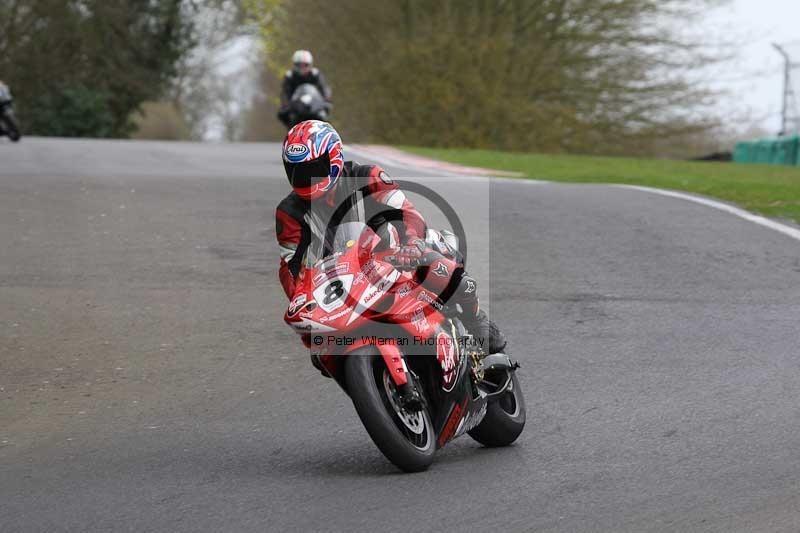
point(148, 383)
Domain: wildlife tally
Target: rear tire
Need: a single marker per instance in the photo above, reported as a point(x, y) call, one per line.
point(505, 418)
point(407, 440)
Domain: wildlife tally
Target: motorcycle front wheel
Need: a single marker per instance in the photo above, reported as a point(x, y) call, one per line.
point(407, 439)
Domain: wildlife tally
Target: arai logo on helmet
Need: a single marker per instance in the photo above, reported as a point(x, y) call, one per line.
point(296, 152)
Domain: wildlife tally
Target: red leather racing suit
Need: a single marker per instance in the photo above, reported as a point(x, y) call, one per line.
point(374, 199)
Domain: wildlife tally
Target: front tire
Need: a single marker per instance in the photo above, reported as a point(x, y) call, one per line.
point(11, 127)
point(505, 418)
point(406, 439)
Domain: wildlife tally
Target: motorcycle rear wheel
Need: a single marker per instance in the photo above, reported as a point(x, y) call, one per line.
point(406, 439)
point(505, 418)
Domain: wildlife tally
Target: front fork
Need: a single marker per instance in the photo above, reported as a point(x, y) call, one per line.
point(392, 358)
point(396, 364)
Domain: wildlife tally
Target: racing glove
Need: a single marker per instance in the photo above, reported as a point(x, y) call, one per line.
point(410, 254)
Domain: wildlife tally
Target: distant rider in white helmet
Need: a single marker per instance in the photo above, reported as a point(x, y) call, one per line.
point(303, 71)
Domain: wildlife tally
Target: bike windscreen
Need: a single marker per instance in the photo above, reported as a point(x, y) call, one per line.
point(338, 240)
point(345, 236)
point(349, 234)
point(307, 89)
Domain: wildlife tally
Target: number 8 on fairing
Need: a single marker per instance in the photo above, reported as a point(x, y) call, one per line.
point(331, 294)
point(333, 291)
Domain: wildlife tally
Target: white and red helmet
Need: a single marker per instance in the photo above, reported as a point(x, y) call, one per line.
point(313, 158)
point(302, 57)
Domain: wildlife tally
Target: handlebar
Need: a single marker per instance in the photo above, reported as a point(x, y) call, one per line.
point(427, 258)
point(392, 260)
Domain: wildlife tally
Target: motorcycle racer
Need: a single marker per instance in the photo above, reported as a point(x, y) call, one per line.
point(303, 71)
point(322, 181)
point(8, 122)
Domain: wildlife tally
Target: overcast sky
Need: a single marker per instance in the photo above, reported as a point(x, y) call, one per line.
point(755, 78)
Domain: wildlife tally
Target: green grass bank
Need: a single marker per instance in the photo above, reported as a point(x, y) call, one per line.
point(771, 190)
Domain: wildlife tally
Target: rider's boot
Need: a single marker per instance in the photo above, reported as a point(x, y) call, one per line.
point(496, 340)
point(485, 333)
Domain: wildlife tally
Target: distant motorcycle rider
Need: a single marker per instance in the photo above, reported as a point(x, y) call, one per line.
point(303, 71)
point(322, 180)
point(8, 122)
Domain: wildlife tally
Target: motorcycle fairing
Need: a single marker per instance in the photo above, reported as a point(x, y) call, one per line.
point(356, 291)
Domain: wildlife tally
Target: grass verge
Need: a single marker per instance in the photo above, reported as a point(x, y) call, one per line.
point(767, 189)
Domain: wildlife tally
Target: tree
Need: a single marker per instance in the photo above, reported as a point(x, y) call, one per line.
point(261, 123)
point(160, 121)
point(610, 76)
point(121, 52)
point(74, 112)
point(217, 77)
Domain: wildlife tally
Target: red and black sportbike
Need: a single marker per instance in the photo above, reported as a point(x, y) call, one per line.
point(378, 330)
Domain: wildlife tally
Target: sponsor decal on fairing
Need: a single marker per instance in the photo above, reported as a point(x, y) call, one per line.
point(341, 268)
point(339, 314)
point(420, 321)
point(306, 325)
point(297, 303)
point(447, 355)
point(427, 298)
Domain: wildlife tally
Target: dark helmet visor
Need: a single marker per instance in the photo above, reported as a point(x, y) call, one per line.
point(308, 173)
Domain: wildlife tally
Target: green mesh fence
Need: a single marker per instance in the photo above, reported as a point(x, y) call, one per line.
point(780, 151)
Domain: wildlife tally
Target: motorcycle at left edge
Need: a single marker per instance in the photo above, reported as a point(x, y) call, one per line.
point(8, 122)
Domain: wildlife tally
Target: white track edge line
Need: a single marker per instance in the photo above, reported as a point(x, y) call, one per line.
point(388, 161)
point(721, 206)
